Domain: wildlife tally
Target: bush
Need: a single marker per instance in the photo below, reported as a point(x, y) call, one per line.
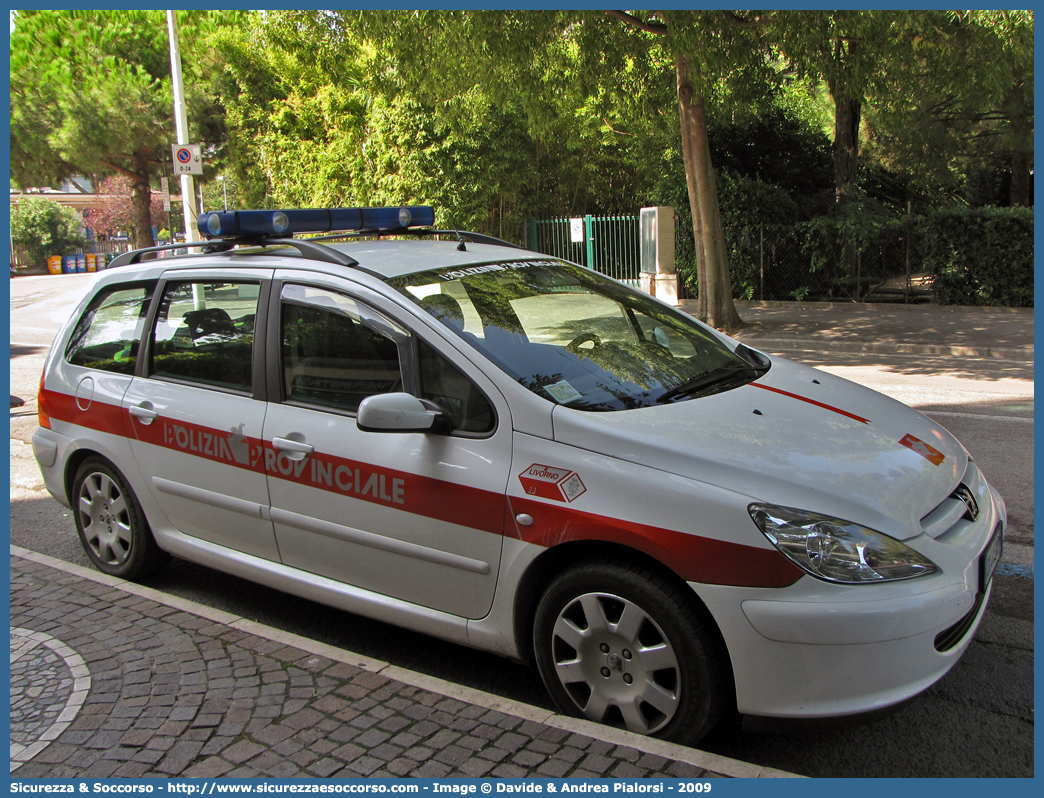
point(979, 256)
point(754, 215)
point(848, 251)
point(45, 225)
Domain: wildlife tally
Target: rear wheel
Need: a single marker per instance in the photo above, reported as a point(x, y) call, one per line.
point(112, 526)
point(622, 645)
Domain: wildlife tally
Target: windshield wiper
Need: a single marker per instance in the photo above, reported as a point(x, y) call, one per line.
point(713, 377)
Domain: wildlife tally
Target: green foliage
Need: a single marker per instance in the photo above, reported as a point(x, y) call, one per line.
point(981, 256)
point(844, 252)
point(933, 93)
point(753, 214)
point(776, 147)
point(495, 116)
point(319, 115)
point(217, 191)
point(44, 224)
point(91, 94)
point(89, 88)
point(963, 106)
point(773, 171)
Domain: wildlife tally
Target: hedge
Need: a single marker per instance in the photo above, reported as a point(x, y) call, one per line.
point(979, 256)
point(974, 256)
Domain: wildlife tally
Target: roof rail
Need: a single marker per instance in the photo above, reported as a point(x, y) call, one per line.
point(304, 246)
point(308, 247)
point(476, 238)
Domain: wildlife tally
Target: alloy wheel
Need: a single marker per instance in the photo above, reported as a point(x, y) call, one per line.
point(105, 519)
point(616, 663)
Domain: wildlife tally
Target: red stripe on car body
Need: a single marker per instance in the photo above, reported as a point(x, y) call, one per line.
point(694, 558)
point(831, 408)
point(99, 416)
point(401, 490)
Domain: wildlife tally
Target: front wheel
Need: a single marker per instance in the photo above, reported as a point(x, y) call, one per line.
point(622, 645)
point(111, 523)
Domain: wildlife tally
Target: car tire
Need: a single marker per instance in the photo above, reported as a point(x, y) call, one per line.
point(622, 644)
point(111, 523)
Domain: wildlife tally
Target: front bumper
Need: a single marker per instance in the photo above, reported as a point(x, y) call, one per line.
point(818, 650)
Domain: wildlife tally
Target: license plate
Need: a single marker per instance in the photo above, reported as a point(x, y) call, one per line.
point(990, 558)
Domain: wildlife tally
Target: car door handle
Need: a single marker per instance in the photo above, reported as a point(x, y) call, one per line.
point(294, 447)
point(145, 413)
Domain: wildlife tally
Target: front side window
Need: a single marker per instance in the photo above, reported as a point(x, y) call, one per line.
point(109, 332)
point(577, 338)
point(204, 334)
point(335, 351)
point(444, 384)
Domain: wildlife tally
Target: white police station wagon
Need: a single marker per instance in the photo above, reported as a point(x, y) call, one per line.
point(517, 454)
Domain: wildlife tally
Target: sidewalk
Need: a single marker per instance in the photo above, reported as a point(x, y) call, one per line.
point(954, 331)
point(111, 679)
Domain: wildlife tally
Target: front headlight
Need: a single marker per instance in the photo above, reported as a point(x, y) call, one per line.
point(836, 550)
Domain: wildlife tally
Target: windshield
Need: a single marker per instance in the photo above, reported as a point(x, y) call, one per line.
point(577, 338)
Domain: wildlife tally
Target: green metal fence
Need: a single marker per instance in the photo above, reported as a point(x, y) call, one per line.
point(607, 244)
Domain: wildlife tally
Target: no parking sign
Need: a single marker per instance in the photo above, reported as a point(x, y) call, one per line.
point(187, 159)
point(576, 231)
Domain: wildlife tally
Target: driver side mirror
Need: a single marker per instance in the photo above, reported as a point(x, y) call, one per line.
point(401, 412)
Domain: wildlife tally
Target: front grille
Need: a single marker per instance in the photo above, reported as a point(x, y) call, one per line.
point(949, 638)
point(959, 509)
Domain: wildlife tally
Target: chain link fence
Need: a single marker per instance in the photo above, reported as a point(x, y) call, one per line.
point(803, 262)
point(820, 263)
point(817, 262)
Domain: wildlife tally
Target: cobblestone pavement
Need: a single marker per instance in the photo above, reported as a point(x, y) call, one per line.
point(49, 683)
point(181, 690)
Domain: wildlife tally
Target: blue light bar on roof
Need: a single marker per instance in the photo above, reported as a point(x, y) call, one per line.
point(284, 223)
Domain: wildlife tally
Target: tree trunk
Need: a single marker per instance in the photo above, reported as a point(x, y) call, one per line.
point(141, 198)
point(1022, 149)
point(1021, 163)
point(715, 285)
point(846, 147)
point(847, 112)
point(846, 172)
point(689, 159)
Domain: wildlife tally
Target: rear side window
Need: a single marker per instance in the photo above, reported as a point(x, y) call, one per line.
point(108, 335)
point(204, 334)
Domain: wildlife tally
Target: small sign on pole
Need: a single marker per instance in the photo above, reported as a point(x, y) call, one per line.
point(187, 159)
point(576, 231)
point(166, 193)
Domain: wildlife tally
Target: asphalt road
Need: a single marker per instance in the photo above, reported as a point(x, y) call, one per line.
point(976, 722)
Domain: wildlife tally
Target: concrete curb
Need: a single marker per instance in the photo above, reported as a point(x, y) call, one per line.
point(881, 347)
point(876, 306)
point(701, 759)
